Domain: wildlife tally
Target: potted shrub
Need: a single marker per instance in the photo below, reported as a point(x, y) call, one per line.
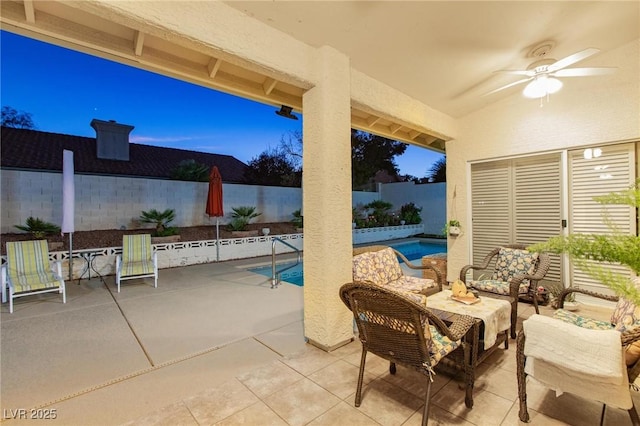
point(163, 232)
point(39, 229)
point(410, 214)
point(380, 215)
point(452, 228)
point(297, 219)
point(240, 219)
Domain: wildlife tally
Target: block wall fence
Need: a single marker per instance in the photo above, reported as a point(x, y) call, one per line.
point(109, 202)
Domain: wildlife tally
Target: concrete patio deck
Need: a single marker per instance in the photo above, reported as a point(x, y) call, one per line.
point(213, 344)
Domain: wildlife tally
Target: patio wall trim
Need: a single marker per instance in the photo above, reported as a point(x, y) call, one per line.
point(102, 261)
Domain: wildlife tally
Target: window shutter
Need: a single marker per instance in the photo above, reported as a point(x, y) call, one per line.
point(491, 213)
point(612, 171)
point(537, 208)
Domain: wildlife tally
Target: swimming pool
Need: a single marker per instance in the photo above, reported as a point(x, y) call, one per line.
point(413, 250)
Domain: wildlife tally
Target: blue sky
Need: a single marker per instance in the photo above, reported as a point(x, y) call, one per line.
point(64, 90)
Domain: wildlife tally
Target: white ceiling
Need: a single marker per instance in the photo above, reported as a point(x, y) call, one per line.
point(445, 53)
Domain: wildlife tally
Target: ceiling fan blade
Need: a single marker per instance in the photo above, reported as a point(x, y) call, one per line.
point(572, 59)
point(528, 73)
point(524, 80)
point(583, 72)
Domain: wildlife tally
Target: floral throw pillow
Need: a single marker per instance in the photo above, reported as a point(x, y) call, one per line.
point(364, 269)
point(387, 265)
point(626, 315)
point(512, 262)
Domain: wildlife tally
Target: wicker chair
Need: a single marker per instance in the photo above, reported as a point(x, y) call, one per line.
point(440, 278)
point(504, 282)
point(398, 329)
point(628, 337)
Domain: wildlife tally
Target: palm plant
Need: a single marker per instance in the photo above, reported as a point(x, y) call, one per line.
point(160, 220)
point(241, 217)
point(38, 227)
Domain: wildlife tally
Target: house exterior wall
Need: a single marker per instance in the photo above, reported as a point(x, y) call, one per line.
point(587, 111)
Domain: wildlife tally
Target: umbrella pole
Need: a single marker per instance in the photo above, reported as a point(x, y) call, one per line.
point(71, 257)
point(217, 240)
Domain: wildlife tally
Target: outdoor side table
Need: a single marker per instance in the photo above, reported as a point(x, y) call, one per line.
point(491, 328)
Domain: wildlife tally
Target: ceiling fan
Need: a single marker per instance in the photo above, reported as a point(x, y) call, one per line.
point(542, 73)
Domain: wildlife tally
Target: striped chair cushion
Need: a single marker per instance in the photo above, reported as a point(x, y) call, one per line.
point(28, 266)
point(137, 255)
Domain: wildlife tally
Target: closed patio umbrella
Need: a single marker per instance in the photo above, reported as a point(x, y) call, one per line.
point(214, 203)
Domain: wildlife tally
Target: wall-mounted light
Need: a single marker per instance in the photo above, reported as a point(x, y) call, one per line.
point(590, 153)
point(285, 111)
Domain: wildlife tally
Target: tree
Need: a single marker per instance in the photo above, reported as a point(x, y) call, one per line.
point(16, 119)
point(371, 153)
point(438, 171)
point(190, 170)
point(275, 168)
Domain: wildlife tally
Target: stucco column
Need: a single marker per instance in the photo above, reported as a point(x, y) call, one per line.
point(327, 201)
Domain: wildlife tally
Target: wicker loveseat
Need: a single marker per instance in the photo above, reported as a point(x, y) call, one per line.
point(379, 265)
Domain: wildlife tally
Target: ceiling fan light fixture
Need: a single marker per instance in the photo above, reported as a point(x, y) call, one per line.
point(542, 86)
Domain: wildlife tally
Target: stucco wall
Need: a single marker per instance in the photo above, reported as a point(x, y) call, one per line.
point(107, 202)
point(430, 197)
point(589, 110)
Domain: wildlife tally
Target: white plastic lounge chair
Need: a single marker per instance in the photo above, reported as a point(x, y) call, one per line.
point(28, 271)
point(138, 259)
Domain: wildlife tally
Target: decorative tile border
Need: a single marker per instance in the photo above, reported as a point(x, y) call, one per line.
point(102, 261)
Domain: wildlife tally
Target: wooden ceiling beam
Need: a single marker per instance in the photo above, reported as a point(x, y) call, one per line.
point(213, 67)
point(29, 12)
point(138, 43)
point(413, 134)
point(268, 85)
point(394, 128)
point(371, 121)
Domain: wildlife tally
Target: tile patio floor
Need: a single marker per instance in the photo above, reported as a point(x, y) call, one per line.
point(213, 344)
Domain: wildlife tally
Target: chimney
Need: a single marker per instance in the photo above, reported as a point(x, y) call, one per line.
point(112, 139)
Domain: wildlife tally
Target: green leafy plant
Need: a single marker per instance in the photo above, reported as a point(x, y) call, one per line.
point(241, 217)
point(410, 213)
point(161, 220)
point(190, 170)
point(448, 225)
point(617, 248)
point(555, 289)
point(38, 227)
point(297, 218)
point(380, 215)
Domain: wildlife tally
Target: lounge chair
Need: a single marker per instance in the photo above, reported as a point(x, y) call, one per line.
point(138, 259)
point(514, 271)
point(28, 271)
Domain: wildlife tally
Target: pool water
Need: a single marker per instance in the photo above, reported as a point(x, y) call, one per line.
point(413, 250)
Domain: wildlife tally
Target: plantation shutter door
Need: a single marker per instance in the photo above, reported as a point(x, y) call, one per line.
point(491, 207)
point(612, 170)
point(538, 208)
